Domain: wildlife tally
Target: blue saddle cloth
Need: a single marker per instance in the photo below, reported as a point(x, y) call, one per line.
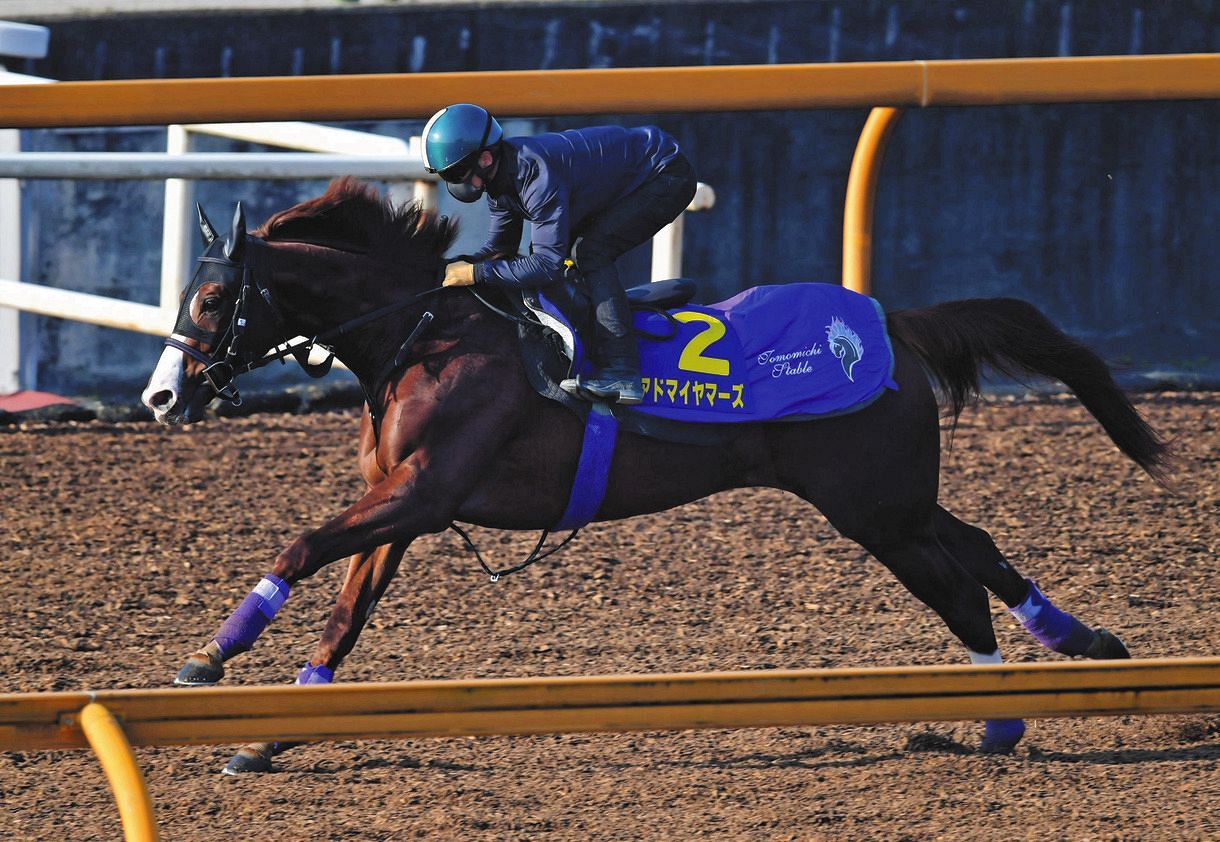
point(769, 353)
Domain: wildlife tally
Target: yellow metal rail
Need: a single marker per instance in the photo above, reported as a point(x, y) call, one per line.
point(618, 703)
point(36, 721)
point(615, 90)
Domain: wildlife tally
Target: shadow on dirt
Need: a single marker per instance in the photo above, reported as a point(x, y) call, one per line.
point(1127, 757)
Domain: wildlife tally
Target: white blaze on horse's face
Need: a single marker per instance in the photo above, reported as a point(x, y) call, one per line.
point(173, 392)
point(165, 388)
point(172, 395)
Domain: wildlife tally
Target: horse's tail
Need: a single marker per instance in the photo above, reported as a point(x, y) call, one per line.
point(956, 339)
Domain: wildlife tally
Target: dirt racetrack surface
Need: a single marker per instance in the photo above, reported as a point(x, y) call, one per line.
point(125, 545)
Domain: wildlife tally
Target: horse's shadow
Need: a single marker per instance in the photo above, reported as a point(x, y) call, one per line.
point(837, 754)
point(1124, 757)
point(829, 755)
point(812, 759)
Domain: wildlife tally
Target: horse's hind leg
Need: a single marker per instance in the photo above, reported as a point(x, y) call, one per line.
point(368, 576)
point(1054, 628)
point(930, 572)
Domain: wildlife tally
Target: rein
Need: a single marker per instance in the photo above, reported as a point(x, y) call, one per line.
point(302, 349)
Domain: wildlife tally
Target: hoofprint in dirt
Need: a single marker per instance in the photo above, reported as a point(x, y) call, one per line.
point(124, 544)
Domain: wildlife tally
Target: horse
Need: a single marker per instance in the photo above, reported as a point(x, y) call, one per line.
point(452, 429)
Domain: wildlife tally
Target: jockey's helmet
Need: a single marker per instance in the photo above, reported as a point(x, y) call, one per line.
point(453, 139)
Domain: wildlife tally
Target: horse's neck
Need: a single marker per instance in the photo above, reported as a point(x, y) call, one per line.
point(322, 290)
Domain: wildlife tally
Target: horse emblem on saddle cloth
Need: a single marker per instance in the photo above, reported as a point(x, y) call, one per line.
point(771, 353)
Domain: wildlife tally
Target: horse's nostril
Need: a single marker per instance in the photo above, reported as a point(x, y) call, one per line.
point(163, 399)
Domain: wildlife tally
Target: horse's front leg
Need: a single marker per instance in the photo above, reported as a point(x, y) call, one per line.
point(368, 576)
point(421, 495)
point(351, 533)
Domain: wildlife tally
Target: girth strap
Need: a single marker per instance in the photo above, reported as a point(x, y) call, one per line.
point(593, 470)
point(588, 490)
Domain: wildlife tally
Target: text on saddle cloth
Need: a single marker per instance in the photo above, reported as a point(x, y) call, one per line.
point(769, 353)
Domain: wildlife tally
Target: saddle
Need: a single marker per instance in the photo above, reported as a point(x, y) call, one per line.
point(777, 353)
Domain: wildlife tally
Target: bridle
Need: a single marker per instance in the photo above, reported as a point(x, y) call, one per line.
point(231, 357)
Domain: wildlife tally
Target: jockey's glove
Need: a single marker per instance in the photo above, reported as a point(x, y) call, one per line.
point(459, 273)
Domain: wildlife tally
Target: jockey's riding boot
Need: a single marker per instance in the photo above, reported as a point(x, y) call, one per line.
point(619, 379)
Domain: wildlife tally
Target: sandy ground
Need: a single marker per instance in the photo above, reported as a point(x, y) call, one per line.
point(125, 545)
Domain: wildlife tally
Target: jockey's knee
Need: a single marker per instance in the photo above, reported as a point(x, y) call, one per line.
point(590, 254)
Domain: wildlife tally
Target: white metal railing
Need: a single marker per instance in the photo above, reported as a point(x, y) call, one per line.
point(332, 151)
point(392, 158)
point(204, 165)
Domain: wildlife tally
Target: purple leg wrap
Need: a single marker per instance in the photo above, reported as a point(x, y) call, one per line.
point(244, 625)
point(320, 674)
point(1053, 628)
point(309, 674)
point(1002, 734)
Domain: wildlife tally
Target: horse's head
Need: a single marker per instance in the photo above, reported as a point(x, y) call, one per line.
point(209, 343)
point(342, 261)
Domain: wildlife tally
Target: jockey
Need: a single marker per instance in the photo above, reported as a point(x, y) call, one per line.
point(589, 194)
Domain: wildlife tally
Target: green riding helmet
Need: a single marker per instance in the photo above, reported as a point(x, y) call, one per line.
point(453, 139)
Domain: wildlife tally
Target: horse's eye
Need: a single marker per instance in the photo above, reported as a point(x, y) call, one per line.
point(211, 304)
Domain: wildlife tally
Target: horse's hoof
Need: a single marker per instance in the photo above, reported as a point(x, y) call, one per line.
point(200, 670)
point(1106, 647)
point(252, 758)
point(1002, 735)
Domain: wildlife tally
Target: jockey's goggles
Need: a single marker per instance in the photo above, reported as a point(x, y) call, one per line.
point(460, 171)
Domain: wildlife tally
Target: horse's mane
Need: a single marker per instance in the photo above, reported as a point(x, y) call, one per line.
point(352, 216)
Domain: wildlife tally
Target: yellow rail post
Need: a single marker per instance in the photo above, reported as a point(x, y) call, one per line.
point(118, 761)
point(861, 198)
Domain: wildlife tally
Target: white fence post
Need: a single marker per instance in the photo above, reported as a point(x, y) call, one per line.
point(667, 243)
point(175, 240)
point(23, 41)
point(423, 192)
point(10, 267)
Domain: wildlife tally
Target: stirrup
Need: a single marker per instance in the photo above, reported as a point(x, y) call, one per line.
point(626, 391)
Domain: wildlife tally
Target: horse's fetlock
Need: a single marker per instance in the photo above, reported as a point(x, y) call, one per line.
point(1002, 735)
point(240, 631)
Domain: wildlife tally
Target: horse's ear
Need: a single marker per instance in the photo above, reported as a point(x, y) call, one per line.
point(205, 227)
point(237, 237)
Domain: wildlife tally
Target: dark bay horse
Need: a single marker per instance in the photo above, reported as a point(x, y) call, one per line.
point(459, 428)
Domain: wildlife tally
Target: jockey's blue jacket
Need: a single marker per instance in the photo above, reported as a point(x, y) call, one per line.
point(557, 181)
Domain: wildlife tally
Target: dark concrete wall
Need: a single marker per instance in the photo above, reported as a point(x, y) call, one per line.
point(1107, 216)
